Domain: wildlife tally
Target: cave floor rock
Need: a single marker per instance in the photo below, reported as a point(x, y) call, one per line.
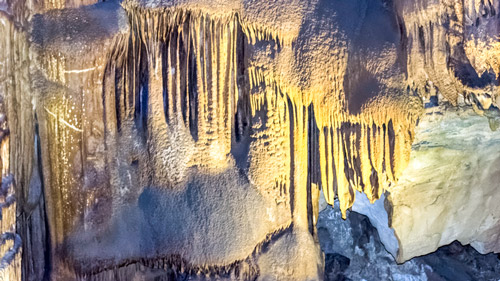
point(353, 251)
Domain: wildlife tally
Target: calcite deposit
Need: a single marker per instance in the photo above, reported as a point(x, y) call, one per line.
point(193, 138)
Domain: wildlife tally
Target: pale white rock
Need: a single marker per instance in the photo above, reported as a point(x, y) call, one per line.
point(379, 218)
point(450, 189)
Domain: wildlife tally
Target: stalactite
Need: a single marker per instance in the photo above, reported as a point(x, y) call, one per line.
point(270, 143)
point(256, 32)
point(197, 57)
point(180, 88)
point(365, 152)
point(300, 157)
point(363, 157)
point(166, 97)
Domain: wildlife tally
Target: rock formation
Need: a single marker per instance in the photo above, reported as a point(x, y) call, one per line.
point(353, 251)
point(193, 137)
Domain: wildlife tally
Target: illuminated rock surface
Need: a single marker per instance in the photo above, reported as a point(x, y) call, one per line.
point(447, 192)
point(192, 138)
point(450, 189)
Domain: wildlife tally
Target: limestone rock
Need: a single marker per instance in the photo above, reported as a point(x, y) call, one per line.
point(256, 103)
point(449, 190)
point(363, 256)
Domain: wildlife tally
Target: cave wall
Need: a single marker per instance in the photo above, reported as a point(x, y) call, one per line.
point(113, 103)
point(451, 49)
point(449, 190)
